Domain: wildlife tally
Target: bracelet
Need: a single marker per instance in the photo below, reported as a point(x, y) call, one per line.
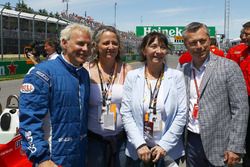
point(141, 146)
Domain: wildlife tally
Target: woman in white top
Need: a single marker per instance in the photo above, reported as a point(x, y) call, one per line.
point(154, 107)
point(106, 136)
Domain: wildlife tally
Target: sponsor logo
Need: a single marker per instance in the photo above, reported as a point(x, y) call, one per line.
point(27, 88)
point(29, 138)
point(65, 139)
point(12, 69)
point(2, 70)
point(18, 144)
point(44, 76)
point(170, 31)
point(237, 52)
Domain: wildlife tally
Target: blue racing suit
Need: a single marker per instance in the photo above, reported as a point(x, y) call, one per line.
point(53, 107)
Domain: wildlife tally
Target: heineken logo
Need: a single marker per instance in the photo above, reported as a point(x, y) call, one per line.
point(170, 31)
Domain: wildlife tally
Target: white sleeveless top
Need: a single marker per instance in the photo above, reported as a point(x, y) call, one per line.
point(95, 103)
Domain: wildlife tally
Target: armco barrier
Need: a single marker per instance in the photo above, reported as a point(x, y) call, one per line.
point(11, 68)
point(8, 68)
point(129, 58)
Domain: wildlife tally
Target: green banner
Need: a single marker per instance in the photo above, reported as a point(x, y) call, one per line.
point(8, 68)
point(171, 31)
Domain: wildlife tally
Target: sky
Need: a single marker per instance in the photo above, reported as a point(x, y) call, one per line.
point(132, 13)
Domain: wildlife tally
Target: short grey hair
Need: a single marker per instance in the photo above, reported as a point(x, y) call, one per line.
point(67, 31)
point(193, 27)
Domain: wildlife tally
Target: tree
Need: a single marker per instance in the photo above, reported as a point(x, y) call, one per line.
point(21, 6)
point(51, 14)
point(31, 10)
point(7, 5)
point(43, 12)
point(57, 15)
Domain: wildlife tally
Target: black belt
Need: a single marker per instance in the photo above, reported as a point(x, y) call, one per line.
point(193, 134)
point(119, 136)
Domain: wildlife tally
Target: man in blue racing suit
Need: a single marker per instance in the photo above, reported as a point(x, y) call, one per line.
point(54, 104)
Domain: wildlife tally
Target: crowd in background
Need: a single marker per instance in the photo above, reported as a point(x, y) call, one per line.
point(128, 38)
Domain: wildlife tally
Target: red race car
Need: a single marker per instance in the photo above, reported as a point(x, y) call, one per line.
point(11, 154)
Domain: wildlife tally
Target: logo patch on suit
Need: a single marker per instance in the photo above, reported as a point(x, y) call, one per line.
point(27, 88)
point(42, 75)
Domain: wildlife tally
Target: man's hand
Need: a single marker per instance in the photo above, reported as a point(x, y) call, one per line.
point(231, 158)
point(47, 163)
point(144, 153)
point(157, 153)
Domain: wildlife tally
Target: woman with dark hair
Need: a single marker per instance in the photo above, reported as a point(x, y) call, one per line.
point(154, 107)
point(106, 136)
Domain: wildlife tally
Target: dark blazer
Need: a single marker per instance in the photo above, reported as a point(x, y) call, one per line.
point(223, 108)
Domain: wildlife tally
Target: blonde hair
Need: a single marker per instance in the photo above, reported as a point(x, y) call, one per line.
point(96, 39)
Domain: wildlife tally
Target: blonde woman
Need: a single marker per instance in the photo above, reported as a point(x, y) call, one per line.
point(106, 136)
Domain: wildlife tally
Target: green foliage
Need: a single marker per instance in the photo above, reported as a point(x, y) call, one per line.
point(31, 10)
point(22, 6)
point(43, 12)
point(51, 14)
point(57, 15)
point(7, 5)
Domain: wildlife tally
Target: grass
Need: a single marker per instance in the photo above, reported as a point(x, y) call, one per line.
point(11, 77)
point(13, 59)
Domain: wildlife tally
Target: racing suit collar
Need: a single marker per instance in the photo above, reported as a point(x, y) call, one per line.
point(69, 66)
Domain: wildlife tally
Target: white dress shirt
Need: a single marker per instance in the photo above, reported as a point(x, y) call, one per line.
point(193, 124)
point(52, 56)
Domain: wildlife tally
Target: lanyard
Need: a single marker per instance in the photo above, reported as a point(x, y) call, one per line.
point(196, 87)
point(154, 94)
point(106, 91)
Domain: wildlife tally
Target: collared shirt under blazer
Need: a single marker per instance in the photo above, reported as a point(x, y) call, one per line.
point(223, 108)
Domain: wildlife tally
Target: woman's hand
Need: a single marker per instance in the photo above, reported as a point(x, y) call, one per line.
point(144, 153)
point(157, 152)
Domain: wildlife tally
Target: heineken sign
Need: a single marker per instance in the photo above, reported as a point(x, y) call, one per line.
point(171, 31)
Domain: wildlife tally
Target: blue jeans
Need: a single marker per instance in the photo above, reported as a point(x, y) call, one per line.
point(99, 152)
